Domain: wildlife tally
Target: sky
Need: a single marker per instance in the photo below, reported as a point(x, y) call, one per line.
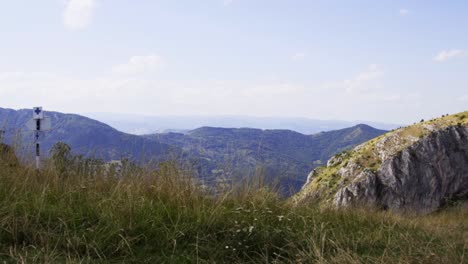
point(389, 61)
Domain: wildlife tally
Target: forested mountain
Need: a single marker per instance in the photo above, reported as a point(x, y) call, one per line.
point(213, 153)
point(281, 154)
point(85, 136)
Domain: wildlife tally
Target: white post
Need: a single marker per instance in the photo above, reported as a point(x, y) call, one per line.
point(38, 150)
point(38, 115)
point(38, 157)
point(37, 124)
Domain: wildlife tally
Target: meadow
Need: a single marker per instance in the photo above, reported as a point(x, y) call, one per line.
point(70, 215)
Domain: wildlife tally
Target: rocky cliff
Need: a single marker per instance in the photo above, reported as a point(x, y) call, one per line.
point(419, 168)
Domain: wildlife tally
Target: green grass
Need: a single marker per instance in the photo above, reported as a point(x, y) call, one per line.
point(163, 217)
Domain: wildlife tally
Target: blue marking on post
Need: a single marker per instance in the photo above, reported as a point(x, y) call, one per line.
point(37, 111)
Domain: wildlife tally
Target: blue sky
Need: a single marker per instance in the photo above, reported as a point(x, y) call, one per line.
point(390, 61)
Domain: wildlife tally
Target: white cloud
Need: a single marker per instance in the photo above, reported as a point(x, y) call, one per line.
point(445, 55)
point(156, 96)
point(404, 12)
point(228, 2)
point(78, 13)
point(140, 64)
point(365, 80)
point(463, 98)
point(272, 89)
point(298, 56)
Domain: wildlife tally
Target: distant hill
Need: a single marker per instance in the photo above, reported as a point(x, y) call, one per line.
point(86, 136)
point(213, 153)
point(284, 154)
point(141, 124)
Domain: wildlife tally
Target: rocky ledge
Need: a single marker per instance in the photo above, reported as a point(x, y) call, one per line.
point(420, 168)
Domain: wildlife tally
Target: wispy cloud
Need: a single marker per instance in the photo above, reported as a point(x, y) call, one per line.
point(404, 12)
point(364, 80)
point(272, 89)
point(153, 94)
point(298, 56)
point(445, 55)
point(367, 81)
point(463, 98)
point(228, 2)
point(78, 13)
point(115, 93)
point(139, 64)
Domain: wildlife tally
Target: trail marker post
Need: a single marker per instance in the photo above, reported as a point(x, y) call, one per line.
point(38, 124)
point(38, 115)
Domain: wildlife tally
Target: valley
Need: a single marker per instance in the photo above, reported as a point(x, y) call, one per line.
point(283, 157)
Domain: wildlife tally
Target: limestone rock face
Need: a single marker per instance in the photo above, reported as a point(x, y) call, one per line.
point(422, 177)
point(362, 192)
point(419, 168)
point(310, 177)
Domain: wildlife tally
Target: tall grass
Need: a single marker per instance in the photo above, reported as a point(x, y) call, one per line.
point(163, 216)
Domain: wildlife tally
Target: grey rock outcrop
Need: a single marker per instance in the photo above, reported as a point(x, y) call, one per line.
point(423, 177)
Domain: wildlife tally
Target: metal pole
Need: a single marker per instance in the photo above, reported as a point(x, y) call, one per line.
point(38, 152)
point(38, 156)
point(36, 125)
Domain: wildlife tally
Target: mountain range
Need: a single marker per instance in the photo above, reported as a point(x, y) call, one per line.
point(147, 124)
point(282, 154)
point(214, 153)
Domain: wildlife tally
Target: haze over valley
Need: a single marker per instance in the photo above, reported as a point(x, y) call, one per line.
point(147, 124)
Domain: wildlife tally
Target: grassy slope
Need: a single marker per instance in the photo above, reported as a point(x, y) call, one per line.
point(367, 155)
point(160, 217)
